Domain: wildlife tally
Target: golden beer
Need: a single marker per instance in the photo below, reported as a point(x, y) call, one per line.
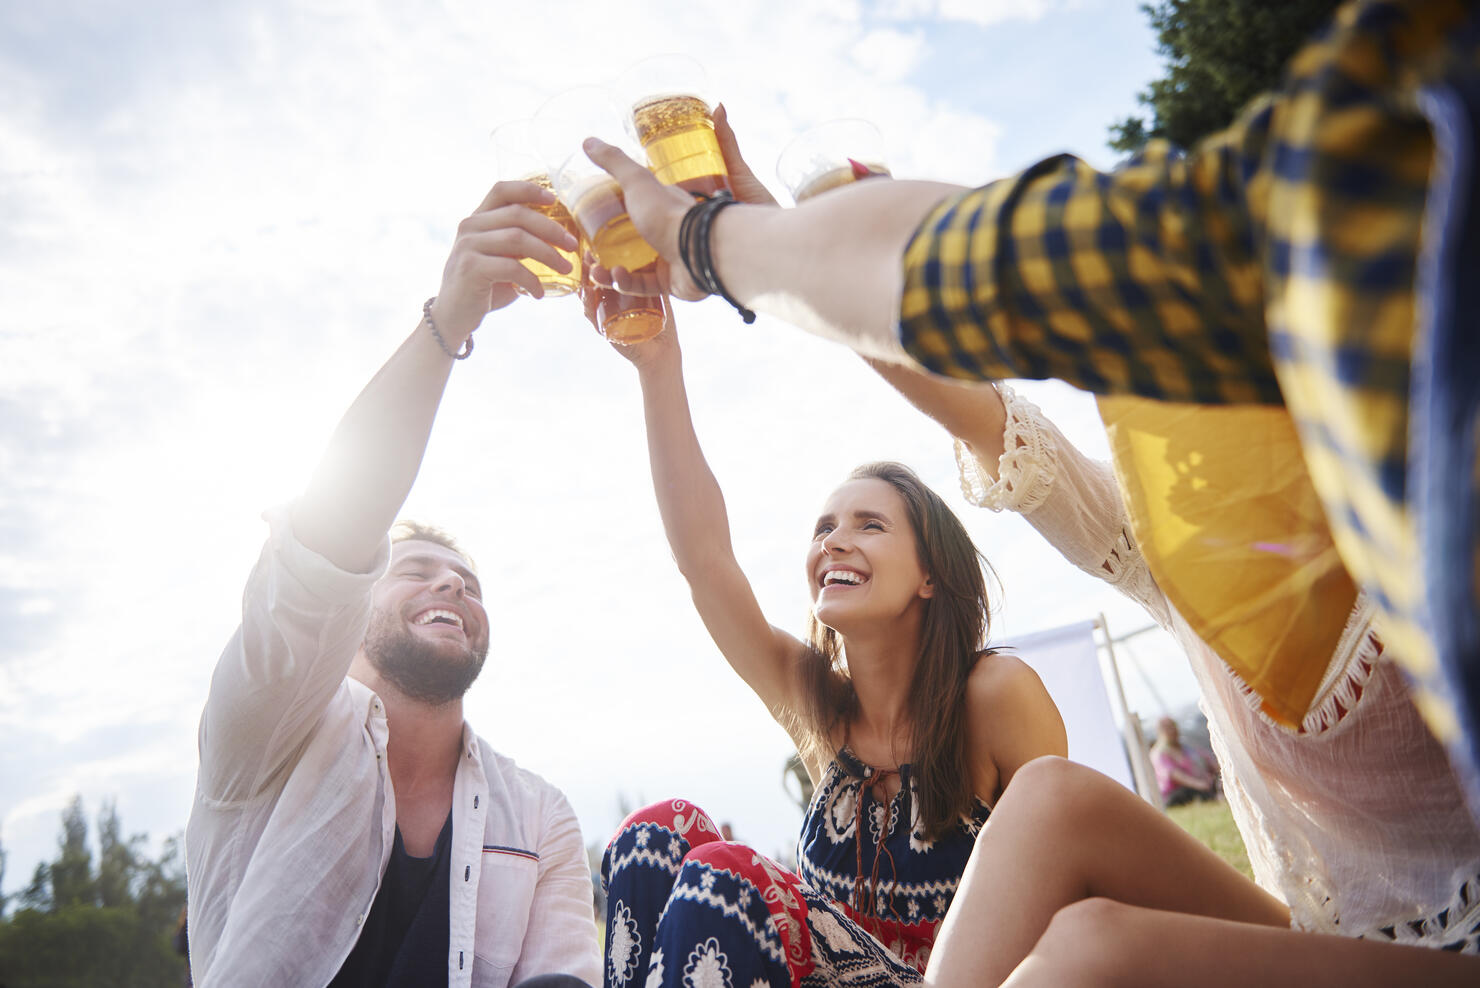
point(678, 134)
point(555, 283)
point(833, 178)
point(628, 319)
point(601, 213)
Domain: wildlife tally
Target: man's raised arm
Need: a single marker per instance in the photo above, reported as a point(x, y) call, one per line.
point(374, 455)
point(307, 602)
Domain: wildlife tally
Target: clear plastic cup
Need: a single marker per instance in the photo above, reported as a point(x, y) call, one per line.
point(516, 159)
point(830, 155)
point(668, 112)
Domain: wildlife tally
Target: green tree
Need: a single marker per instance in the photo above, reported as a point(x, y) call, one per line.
point(107, 926)
point(71, 873)
point(118, 859)
point(4, 899)
point(1219, 54)
point(37, 895)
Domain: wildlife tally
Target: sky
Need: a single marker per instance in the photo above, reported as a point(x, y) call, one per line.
point(217, 220)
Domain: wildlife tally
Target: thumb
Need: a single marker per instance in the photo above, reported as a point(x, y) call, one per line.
point(614, 161)
point(728, 145)
point(748, 188)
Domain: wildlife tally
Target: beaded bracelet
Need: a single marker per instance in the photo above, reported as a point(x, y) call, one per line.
point(426, 312)
point(694, 247)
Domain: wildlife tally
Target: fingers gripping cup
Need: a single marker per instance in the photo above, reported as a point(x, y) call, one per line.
point(670, 117)
point(595, 202)
point(829, 155)
point(627, 319)
point(592, 196)
point(513, 145)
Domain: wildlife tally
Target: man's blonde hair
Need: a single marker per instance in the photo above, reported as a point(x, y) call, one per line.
point(409, 530)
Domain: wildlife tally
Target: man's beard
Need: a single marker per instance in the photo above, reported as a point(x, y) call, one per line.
point(419, 669)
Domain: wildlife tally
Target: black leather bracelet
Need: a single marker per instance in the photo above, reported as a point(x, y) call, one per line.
point(694, 247)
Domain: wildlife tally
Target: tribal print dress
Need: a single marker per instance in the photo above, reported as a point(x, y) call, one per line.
point(686, 908)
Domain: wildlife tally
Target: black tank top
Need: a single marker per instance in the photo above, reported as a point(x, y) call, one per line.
point(404, 941)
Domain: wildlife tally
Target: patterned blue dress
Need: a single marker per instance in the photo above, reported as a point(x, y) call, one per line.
point(685, 908)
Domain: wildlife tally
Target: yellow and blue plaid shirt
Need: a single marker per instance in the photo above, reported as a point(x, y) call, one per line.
point(1274, 263)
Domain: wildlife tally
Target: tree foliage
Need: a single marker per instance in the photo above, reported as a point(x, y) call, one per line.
point(1219, 54)
point(107, 924)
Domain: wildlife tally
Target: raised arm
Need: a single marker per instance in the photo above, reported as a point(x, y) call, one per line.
point(307, 601)
point(1012, 458)
point(698, 530)
point(1138, 280)
point(374, 455)
point(829, 266)
point(972, 413)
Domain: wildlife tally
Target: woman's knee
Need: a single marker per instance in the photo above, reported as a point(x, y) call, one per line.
point(667, 830)
point(678, 815)
point(1092, 941)
point(1051, 788)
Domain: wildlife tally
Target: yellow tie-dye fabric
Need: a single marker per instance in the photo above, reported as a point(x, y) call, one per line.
point(1275, 263)
point(1224, 512)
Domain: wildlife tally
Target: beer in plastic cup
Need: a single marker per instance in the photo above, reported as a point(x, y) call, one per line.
point(593, 197)
point(670, 117)
point(830, 155)
point(513, 145)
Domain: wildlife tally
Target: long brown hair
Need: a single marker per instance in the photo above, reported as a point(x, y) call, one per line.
point(952, 634)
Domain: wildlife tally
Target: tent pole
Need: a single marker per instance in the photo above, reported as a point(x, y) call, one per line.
point(1135, 744)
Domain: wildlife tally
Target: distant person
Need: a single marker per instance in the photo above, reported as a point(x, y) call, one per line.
point(349, 826)
point(1183, 773)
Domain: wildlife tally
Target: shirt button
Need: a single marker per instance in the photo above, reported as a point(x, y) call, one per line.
point(360, 920)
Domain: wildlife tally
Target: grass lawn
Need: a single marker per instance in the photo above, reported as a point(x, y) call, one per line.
point(1212, 824)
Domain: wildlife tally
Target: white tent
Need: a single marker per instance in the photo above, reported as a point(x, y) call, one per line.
point(1077, 665)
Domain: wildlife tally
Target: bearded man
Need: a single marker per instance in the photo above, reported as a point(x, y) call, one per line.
point(349, 827)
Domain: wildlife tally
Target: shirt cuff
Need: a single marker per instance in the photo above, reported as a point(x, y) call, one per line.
point(315, 574)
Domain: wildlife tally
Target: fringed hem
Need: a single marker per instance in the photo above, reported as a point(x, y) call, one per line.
point(1456, 927)
point(1352, 665)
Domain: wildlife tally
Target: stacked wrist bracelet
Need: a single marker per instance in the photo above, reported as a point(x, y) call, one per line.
point(693, 247)
point(426, 313)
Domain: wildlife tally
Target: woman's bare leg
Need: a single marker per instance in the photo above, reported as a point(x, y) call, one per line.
point(1063, 833)
point(1107, 944)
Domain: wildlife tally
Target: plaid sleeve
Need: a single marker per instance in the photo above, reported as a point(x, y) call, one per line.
point(1308, 240)
point(1144, 280)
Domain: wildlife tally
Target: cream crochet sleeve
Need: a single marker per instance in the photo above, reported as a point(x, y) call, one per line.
point(1073, 501)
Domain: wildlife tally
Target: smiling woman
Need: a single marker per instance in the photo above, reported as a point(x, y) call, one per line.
point(908, 725)
point(884, 541)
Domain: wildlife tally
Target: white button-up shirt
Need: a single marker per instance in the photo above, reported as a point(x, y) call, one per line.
point(295, 816)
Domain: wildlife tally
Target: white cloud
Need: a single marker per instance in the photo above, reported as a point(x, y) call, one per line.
point(983, 13)
point(889, 55)
point(988, 12)
point(205, 262)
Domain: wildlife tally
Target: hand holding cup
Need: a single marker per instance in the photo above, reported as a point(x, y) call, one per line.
point(484, 270)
